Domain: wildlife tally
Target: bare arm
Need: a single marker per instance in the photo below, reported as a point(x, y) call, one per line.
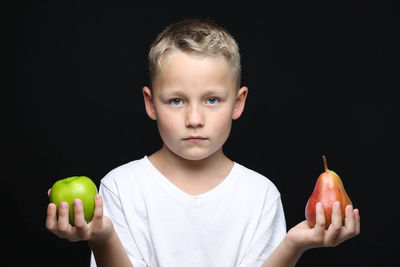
point(110, 252)
point(100, 232)
point(284, 256)
point(303, 237)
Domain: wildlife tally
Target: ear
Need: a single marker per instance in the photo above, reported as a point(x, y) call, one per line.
point(148, 102)
point(240, 101)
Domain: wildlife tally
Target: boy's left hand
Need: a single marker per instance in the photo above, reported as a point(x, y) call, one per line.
point(303, 237)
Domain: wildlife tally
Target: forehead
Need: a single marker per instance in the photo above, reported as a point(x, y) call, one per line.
point(180, 69)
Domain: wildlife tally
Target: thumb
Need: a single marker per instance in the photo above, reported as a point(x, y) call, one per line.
point(98, 212)
point(48, 192)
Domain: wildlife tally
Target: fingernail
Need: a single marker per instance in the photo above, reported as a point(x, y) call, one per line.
point(337, 204)
point(77, 202)
point(63, 205)
point(319, 205)
point(98, 197)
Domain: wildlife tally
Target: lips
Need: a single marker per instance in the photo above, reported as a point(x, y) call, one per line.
point(195, 139)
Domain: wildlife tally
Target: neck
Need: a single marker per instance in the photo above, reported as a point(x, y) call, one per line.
point(167, 160)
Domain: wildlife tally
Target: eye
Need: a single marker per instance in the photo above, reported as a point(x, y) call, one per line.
point(176, 102)
point(212, 100)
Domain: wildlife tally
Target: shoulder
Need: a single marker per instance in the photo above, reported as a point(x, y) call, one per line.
point(253, 181)
point(124, 174)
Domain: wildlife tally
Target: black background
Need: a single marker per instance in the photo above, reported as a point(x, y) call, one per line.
point(322, 80)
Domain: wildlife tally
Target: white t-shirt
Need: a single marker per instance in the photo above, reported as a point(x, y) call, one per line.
point(237, 223)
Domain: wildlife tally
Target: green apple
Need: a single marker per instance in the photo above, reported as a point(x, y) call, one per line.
point(71, 188)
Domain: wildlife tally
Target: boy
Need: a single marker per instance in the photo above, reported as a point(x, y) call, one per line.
point(188, 204)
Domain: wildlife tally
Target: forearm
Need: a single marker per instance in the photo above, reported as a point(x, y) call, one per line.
point(110, 253)
point(284, 255)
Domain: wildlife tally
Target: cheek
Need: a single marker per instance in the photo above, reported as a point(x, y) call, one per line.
point(222, 124)
point(167, 124)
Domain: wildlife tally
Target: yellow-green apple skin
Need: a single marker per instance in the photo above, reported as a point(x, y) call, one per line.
point(71, 188)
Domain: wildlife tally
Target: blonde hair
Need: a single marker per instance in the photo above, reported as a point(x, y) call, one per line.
point(198, 37)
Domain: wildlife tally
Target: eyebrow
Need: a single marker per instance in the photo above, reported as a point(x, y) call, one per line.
point(179, 92)
point(174, 92)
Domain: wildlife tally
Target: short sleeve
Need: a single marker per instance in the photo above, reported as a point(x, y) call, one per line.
point(113, 209)
point(270, 231)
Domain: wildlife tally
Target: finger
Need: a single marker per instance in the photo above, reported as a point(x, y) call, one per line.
point(51, 218)
point(350, 221)
point(98, 213)
point(79, 221)
point(336, 225)
point(79, 217)
point(337, 218)
point(48, 192)
point(320, 220)
point(349, 225)
point(358, 220)
point(63, 225)
point(352, 224)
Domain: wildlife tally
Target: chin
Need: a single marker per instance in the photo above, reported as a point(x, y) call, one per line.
point(195, 155)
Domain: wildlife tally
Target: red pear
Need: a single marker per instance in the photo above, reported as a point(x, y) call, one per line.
point(328, 189)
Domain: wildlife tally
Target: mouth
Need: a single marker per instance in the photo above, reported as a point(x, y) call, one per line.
point(194, 139)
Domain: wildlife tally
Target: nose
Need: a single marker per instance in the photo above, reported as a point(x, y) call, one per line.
point(194, 117)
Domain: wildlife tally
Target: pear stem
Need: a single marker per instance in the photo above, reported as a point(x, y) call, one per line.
point(325, 164)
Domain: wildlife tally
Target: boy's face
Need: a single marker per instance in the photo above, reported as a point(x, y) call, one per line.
point(194, 100)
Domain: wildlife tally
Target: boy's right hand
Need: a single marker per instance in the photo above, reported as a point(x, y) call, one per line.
point(99, 229)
